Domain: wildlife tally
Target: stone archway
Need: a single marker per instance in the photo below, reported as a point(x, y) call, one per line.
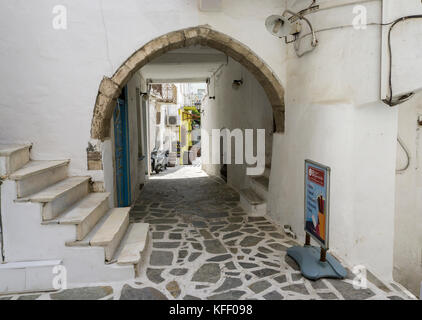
point(110, 88)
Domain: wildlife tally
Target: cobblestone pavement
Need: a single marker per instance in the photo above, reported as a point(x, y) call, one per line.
point(204, 246)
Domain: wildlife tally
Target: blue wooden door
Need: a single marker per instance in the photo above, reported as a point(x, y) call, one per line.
point(121, 147)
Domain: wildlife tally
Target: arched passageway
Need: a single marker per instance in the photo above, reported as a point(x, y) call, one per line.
point(110, 88)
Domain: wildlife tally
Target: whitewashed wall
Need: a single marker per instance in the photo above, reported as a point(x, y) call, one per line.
point(408, 217)
point(59, 71)
point(244, 108)
point(50, 80)
point(334, 116)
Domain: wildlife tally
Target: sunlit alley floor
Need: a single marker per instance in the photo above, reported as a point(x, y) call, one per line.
point(204, 246)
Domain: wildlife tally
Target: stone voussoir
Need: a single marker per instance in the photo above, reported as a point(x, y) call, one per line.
point(203, 32)
point(104, 106)
point(252, 62)
point(123, 75)
point(237, 51)
point(137, 60)
point(191, 36)
point(176, 39)
point(279, 116)
point(272, 94)
point(109, 88)
point(157, 47)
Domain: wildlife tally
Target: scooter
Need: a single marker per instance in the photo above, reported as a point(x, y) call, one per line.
point(159, 160)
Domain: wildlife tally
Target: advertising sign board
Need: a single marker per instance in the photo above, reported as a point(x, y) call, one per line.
point(317, 201)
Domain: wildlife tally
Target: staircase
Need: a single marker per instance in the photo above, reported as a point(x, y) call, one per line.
point(253, 199)
point(50, 221)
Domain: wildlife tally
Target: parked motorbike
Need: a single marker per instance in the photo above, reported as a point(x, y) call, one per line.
point(159, 160)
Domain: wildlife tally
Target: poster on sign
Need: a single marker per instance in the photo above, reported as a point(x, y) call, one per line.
point(317, 200)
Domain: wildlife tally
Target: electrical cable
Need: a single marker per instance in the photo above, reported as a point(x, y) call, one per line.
point(407, 96)
point(389, 101)
point(401, 143)
point(326, 29)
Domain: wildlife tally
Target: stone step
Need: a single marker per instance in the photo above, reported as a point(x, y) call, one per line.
point(251, 196)
point(59, 196)
point(267, 172)
point(86, 241)
point(134, 244)
point(86, 213)
point(13, 157)
point(37, 175)
point(252, 203)
point(260, 185)
point(111, 231)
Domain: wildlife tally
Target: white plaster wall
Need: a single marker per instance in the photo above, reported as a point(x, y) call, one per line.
point(59, 71)
point(244, 108)
point(334, 116)
point(50, 80)
point(408, 217)
point(406, 38)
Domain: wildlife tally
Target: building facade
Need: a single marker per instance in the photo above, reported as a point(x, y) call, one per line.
point(62, 78)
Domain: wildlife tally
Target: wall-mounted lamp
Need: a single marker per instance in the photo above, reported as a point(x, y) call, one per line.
point(237, 84)
point(144, 95)
point(282, 27)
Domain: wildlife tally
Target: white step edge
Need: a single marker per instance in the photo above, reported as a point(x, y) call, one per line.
point(262, 181)
point(55, 191)
point(134, 244)
point(8, 149)
point(35, 167)
point(254, 206)
point(37, 175)
point(12, 158)
point(111, 231)
point(60, 196)
point(251, 196)
point(85, 242)
point(260, 185)
point(267, 172)
point(86, 213)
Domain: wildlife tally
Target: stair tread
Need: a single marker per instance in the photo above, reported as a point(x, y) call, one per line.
point(86, 241)
point(134, 244)
point(8, 149)
point(56, 190)
point(82, 209)
point(251, 196)
point(262, 180)
point(110, 227)
point(35, 167)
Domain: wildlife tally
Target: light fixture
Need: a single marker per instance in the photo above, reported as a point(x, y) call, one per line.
point(237, 84)
point(144, 95)
point(278, 26)
point(282, 27)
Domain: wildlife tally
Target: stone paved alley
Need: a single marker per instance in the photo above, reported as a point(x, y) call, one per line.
point(204, 246)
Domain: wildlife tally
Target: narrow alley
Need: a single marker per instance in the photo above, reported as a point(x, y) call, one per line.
point(204, 246)
point(211, 150)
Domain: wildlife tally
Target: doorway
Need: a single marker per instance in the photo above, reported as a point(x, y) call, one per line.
point(121, 147)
